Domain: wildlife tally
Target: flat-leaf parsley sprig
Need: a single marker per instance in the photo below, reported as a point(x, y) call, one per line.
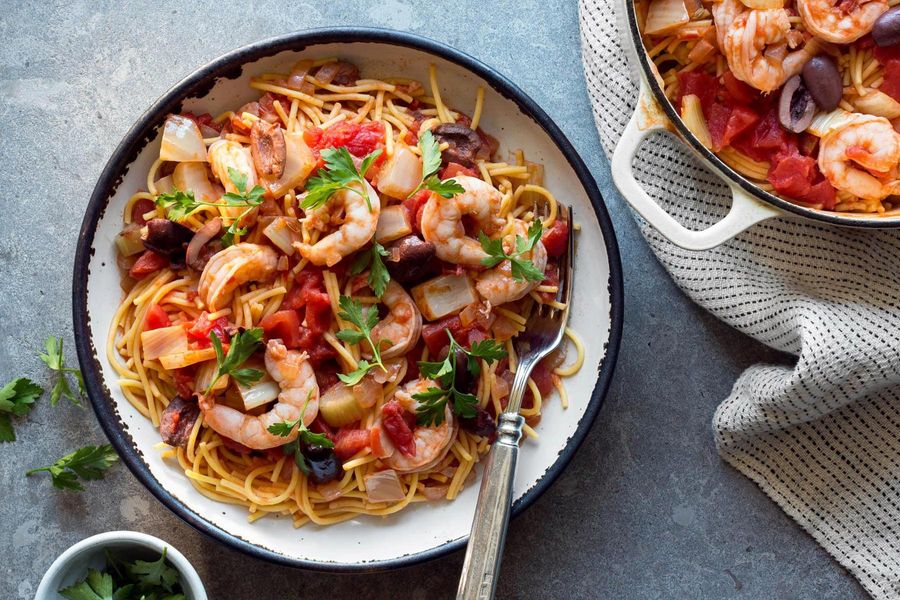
point(16, 400)
point(522, 269)
point(432, 401)
point(378, 273)
point(351, 310)
point(304, 435)
point(87, 463)
point(53, 357)
point(339, 173)
point(431, 162)
point(243, 344)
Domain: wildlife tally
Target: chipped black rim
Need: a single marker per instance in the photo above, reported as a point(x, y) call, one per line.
point(721, 167)
point(230, 66)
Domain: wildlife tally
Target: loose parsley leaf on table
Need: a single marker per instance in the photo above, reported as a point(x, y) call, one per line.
point(243, 344)
point(54, 359)
point(378, 273)
point(339, 173)
point(351, 310)
point(87, 463)
point(521, 268)
point(431, 162)
point(432, 401)
point(16, 399)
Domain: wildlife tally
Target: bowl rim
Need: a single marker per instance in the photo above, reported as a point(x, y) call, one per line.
point(190, 578)
point(231, 63)
point(721, 168)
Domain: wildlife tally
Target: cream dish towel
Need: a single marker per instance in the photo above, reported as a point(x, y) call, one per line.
point(822, 439)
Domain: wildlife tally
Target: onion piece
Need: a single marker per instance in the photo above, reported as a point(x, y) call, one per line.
point(297, 78)
point(368, 391)
point(692, 115)
point(879, 104)
point(384, 486)
point(184, 359)
point(400, 175)
point(163, 341)
point(182, 141)
point(339, 407)
point(435, 492)
point(129, 240)
point(164, 185)
point(823, 123)
point(444, 295)
point(283, 232)
point(203, 235)
point(298, 164)
point(260, 392)
point(665, 16)
point(330, 491)
point(205, 375)
point(393, 224)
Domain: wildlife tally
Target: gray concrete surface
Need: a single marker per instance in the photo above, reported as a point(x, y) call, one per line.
point(646, 509)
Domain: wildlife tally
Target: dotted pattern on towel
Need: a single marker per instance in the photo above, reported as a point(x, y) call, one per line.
point(822, 439)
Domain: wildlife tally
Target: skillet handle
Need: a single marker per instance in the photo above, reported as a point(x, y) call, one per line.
point(745, 212)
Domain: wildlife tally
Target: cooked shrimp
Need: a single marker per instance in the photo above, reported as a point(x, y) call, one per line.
point(432, 443)
point(403, 324)
point(724, 13)
point(299, 397)
point(356, 227)
point(840, 22)
point(756, 48)
point(862, 157)
point(442, 220)
point(225, 155)
point(496, 285)
point(231, 267)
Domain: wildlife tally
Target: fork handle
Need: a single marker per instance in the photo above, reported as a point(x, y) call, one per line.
point(482, 565)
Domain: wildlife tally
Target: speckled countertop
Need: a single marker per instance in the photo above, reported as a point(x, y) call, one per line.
point(645, 510)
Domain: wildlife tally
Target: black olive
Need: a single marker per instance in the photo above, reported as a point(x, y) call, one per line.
point(796, 107)
point(324, 466)
point(411, 259)
point(481, 424)
point(463, 381)
point(822, 79)
point(464, 143)
point(167, 237)
point(886, 31)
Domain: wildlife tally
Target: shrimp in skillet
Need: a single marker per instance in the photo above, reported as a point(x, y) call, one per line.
point(299, 397)
point(756, 48)
point(403, 324)
point(431, 443)
point(840, 22)
point(356, 226)
point(231, 267)
point(496, 285)
point(442, 221)
point(862, 157)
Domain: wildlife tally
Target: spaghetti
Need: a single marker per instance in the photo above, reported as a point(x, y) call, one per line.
point(330, 279)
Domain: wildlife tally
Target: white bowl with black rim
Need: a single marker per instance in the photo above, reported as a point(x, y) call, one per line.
point(422, 531)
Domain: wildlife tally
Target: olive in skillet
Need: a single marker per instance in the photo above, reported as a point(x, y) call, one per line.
point(796, 108)
point(166, 237)
point(463, 143)
point(411, 259)
point(481, 424)
point(823, 80)
point(886, 31)
point(324, 466)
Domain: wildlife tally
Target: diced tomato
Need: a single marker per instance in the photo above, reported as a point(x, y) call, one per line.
point(348, 442)
point(156, 318)
point(556, 239)
point(313, 137)
point(326, 376)
point(551, 278)
point(765, 138)
point(891, 85)
point(360, 139)
point(318, 353)
point(702, 85)
point(821, 193)
point(793, 175)
point(739, 121)
point(283, 325)
point(318, 313)
point(397, 429)
point(309, 282)
point(149, 262)
point(453, 169)
point(204, 119)
point(198, 331)
point(885, 54)
point(184, 381)
point(435, 334)
point(543, 377)
point(376, 443)
point(716, 123)
point(737, 90)
point(414, 206)
point(141, 208)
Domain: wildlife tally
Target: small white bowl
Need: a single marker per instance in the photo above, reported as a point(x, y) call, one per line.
point(73, 564)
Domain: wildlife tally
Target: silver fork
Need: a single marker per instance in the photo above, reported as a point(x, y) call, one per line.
point(542, 334)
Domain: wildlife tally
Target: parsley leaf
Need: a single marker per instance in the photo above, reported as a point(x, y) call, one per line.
point(378, 273)
point(96, 586)
point(87, 463)
point(16, 399)
point(242, 346)
point(154, 574)
point(339, 173)
point(521, 269)
point(304, 435)
point(431, 162)
point(121, 580)
point(250, 199)
point(351, 310)
point(54, 359)
point(178, 204)
point(432, 402)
